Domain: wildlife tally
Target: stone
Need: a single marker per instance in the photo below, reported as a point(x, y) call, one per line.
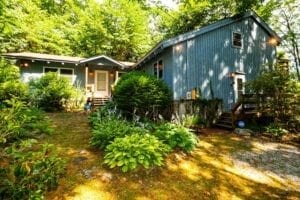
point(79, 160)
point(87, 173)
point(106, 177)
point(243, 132)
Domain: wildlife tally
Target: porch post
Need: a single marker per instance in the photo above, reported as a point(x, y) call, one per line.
point(86, 76)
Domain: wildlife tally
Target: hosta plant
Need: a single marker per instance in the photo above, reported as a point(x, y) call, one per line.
point(135, 150)
point(176, 136)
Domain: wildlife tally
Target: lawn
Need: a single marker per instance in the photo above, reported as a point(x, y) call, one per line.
point(223, 166)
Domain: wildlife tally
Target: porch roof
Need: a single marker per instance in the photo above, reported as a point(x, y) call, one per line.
point(101, 60)
point(42, 57)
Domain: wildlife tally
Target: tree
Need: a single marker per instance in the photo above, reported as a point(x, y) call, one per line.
point(283, 89)
point(287, 22)
point(127, 27)
point(193, 14)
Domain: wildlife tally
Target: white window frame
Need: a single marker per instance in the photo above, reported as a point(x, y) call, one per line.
point(235, 86)
point(58, 71)
point(157, 69)
point(232, 39)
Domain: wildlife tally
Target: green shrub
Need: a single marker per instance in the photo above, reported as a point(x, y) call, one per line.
point(30, 170)
point(135, 150)
point(275, 130)
point(52, 92)
point(10, 83)
point(191, 120)
point(176, 136)
point(108, 129)
point(107, 111)
point(140, 94)
point(18, 121)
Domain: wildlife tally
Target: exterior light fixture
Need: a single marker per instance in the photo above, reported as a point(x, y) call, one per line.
point(272, 41)
point(231, 74)
point(91, 73)
point(178, 47)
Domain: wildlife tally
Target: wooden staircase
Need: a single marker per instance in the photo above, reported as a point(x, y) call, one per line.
point(99, 101)
point(246, 108)
point(225, 121)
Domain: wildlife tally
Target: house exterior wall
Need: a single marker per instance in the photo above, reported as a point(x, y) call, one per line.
point(205, 62)
point(36, 70)
point(167, 58)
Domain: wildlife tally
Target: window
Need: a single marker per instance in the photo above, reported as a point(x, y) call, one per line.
point(46, 70)
point(237, 40)
point(158, 69)
point(67, 73)
point(64, 72)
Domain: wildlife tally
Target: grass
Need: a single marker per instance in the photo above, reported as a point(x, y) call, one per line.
point(207, 173)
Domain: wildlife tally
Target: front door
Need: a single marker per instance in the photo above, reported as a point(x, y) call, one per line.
point(239, 86)
point(101, 80)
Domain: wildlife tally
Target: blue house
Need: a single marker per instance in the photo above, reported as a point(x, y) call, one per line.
point(216, 59)
point(96, 74)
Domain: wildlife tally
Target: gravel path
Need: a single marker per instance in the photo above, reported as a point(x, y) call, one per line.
point(274, 161)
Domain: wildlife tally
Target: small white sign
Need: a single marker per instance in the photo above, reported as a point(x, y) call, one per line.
point(188, 95)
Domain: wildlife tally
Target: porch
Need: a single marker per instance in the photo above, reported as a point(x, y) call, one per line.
point(101, 74)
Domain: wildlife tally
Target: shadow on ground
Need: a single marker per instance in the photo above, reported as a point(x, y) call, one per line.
point(217, 169)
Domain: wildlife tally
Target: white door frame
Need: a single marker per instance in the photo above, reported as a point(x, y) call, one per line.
point(235, 85)
point(101, 93)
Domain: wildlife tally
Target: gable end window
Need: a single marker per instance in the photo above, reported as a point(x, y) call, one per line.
point(237, 40)
point(158, 69)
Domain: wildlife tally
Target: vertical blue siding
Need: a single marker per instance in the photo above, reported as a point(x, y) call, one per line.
point(166, 57)
point(207, 59)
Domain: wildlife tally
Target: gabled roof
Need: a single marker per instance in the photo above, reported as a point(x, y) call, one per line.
point(192, 34)
point(43, 57)
point(95, 58)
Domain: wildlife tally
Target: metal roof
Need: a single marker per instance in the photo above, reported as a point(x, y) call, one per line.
point(192, 34)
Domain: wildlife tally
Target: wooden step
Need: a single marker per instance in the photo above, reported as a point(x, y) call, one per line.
point(97, 101)
point(223, 126)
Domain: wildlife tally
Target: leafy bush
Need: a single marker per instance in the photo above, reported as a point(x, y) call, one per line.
point(18, 121)
point(10, 83)
point(52, 92)
point(108, 124)
point(30, 170)
point(275, 130)
point(107, 111)
point(280, 92)
point(140, 94)
point(108, 129)
point(176, 136)
point(135, 150)
point(191, 120)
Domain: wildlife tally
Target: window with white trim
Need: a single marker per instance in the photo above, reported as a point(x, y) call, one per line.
point(158, 69)
point(63, 72)
point(237, 40)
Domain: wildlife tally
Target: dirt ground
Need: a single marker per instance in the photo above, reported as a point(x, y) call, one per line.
point(223, 166)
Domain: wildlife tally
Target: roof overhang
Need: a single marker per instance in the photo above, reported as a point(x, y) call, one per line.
point(42, 57)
